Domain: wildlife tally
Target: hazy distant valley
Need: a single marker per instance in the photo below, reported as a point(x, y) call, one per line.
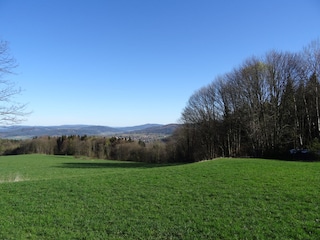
point(146, 131)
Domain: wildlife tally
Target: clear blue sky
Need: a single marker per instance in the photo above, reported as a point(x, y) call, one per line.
point(130, 62)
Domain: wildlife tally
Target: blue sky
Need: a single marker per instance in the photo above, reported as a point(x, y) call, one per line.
point(130, 62)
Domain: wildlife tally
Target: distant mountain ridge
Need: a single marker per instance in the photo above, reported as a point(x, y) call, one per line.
point(25, 132)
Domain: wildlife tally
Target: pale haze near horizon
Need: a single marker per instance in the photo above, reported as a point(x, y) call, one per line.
point(126, 63)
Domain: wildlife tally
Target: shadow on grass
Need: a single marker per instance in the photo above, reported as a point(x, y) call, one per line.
point(113, 165)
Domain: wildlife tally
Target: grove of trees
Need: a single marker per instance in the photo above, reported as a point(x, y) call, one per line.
point(265, 107)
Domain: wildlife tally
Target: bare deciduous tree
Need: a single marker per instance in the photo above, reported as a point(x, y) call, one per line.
point(10, 111)
point(312, 64)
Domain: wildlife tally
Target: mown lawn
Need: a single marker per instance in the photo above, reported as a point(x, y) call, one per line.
point(60, 197)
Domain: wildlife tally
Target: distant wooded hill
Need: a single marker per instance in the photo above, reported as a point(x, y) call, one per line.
point(24, 132)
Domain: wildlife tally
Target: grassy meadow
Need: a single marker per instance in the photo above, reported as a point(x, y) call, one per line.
point(62, 197)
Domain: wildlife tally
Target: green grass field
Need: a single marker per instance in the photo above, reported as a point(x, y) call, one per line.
point(61, 197)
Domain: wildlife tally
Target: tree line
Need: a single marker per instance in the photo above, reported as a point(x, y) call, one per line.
point(113, 148)
point(263, 108)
